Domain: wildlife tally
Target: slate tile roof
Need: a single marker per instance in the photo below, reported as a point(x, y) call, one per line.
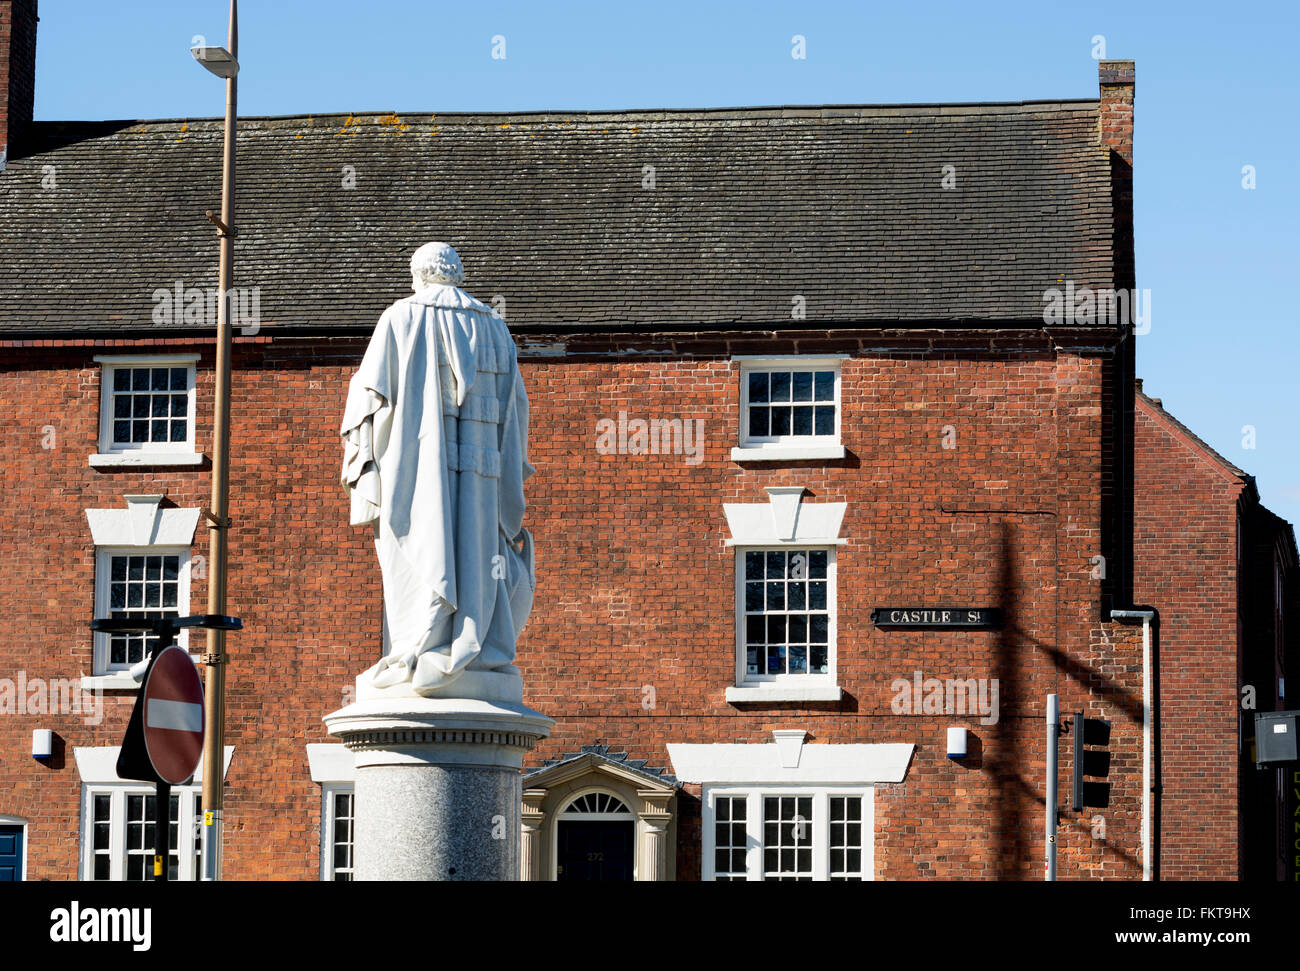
point(750, 208)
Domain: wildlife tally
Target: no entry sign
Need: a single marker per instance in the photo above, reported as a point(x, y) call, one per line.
point(164, 739)
point(173, 716)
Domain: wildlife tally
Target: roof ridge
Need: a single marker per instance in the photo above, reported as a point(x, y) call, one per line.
point(779, 111)
point(1192, 439)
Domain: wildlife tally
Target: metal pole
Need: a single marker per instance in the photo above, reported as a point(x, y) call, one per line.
point(1053, 717)
point(162, 820)
point(215, 659)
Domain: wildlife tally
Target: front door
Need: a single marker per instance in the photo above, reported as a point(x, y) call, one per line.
point(11, 853)
point(590, 850)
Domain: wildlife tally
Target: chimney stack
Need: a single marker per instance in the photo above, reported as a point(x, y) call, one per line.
point(1115, 135)
point(17, 72)
point(1116, 115)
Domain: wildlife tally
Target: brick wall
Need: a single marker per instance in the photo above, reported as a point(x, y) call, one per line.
point(1185, 545)
point(635, 585)
point(293, 560)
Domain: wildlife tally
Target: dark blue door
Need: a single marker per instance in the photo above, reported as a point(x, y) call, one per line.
point(595, 850)
point(11, 853)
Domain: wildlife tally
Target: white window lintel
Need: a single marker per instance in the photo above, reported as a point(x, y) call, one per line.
point(785, 518)
point(331, 763)
point(97, 765)
point(143, 523)
point(821, 764)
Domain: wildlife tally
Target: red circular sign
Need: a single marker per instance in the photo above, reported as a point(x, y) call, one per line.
point(173, 716)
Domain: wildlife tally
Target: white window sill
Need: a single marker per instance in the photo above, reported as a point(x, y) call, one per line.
point(786, 453)
point(812, 692)
point(128, 459)
point(117, 681)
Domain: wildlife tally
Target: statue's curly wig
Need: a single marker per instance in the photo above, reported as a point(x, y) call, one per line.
point(437, 263)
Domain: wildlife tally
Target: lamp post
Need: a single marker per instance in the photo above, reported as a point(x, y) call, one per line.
point(223, 62)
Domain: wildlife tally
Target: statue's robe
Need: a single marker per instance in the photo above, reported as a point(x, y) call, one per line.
point(435, 456)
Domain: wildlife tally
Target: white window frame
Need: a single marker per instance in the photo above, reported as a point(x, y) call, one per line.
point(785, 521)
point(146, 453)
point(327, 820)
point(788, 447)
point(610, 816)
point(119, 677)
point(754, 795)
point(765, 681)
point(188, 838)
point(333, 768)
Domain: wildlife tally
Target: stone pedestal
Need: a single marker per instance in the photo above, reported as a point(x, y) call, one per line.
point(438, 781)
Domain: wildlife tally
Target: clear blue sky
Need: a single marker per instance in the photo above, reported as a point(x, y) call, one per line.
point(1216, 90)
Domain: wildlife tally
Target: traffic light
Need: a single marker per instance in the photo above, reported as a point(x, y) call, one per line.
point(1094, 762)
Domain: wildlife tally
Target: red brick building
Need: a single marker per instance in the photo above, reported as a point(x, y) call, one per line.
point(1222, 570)
point(850, 405)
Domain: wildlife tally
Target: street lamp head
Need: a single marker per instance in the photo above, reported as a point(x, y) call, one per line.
point(218, 60)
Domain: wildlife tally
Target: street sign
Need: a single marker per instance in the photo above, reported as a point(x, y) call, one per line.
point(941, 618)
point(172, 697)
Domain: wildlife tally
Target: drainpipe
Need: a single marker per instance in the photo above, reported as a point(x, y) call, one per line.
point(1148, 618)
point(1050, 803)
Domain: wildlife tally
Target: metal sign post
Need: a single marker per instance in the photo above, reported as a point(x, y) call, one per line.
point(162, 831)
point(223, 62)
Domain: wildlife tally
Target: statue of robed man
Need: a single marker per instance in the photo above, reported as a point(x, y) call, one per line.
point(435, 435)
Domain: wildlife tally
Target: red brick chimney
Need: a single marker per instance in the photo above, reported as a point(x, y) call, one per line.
point(1115, 138)
point(1115, 135)
point(17, 71)
point(1116, 78)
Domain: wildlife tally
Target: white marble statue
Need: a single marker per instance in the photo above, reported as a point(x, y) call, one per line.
point(435, 435)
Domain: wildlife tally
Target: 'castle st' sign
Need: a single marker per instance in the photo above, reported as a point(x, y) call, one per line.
point(964, 617)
